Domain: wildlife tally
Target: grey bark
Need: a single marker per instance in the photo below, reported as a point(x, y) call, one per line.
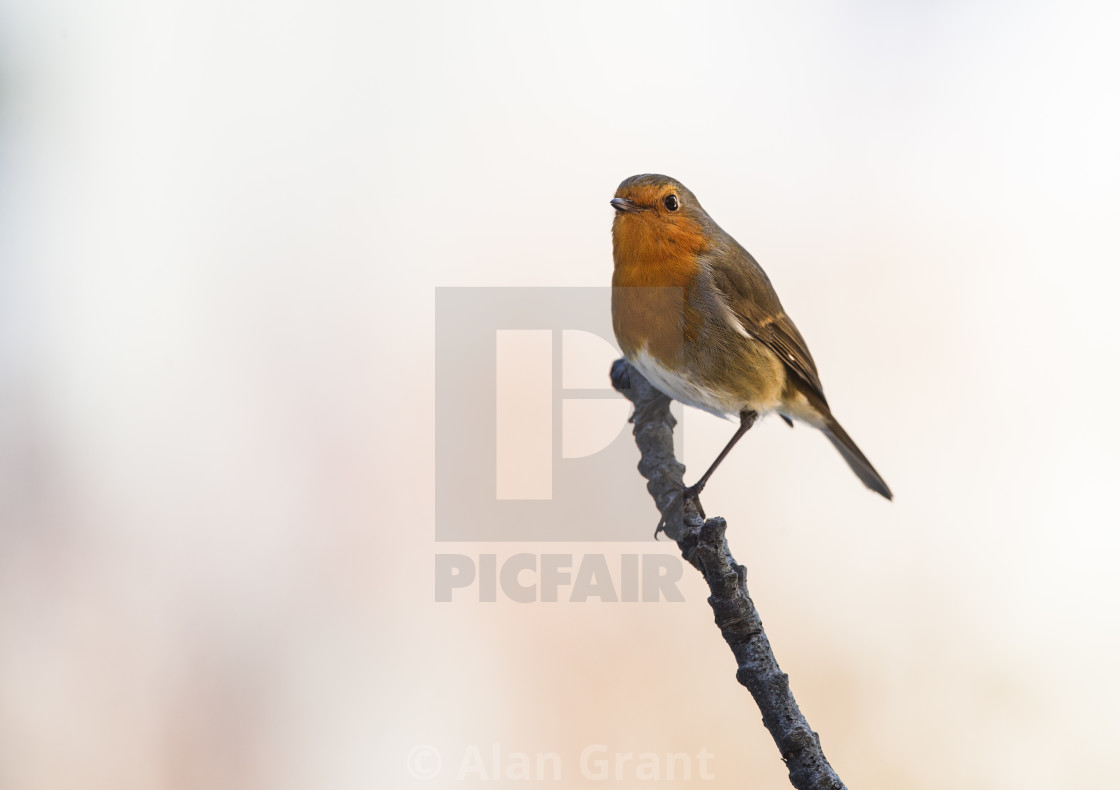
point(704, 545)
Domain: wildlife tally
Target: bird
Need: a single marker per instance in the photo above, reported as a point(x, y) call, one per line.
point(696, 315)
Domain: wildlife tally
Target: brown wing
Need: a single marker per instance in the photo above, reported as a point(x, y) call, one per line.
point(752, 299)
point(782, 337)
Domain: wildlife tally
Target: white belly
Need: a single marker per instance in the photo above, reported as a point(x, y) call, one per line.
point(680, 388)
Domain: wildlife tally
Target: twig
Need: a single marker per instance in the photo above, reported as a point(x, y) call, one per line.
point(704, 545)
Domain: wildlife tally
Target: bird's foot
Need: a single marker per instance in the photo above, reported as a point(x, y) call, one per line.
point(681, 498)
point(692, 494)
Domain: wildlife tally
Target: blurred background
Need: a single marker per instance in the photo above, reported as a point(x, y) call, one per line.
point(221, 227)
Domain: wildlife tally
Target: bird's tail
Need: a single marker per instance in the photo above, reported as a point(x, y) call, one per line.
point(857, 460)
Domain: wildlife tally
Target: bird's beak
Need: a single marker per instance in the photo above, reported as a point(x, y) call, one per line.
point(624, 206)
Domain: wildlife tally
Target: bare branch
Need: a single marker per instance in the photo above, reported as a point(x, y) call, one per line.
point(704, 545)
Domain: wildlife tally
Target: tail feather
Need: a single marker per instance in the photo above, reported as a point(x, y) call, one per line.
point(857, 460)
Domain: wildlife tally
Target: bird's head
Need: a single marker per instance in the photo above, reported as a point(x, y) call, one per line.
point(656, 219)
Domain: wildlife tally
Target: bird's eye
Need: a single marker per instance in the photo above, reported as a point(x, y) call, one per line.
point(671, 203)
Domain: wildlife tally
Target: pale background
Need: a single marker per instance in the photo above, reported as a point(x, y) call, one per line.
point(221, 224)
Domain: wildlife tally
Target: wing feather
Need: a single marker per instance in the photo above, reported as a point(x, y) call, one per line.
point(752, 300)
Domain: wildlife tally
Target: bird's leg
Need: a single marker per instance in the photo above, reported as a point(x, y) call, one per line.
point(746, 420)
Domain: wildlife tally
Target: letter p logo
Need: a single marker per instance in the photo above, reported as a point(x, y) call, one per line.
point(533, 412)
point(528, 428)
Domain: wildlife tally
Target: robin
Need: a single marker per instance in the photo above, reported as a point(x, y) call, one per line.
point(697, 316)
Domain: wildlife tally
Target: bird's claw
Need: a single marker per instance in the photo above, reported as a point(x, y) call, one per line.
point(685, 495)
point(692, 494)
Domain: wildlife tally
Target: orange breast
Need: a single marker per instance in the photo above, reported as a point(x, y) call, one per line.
point(654, 266)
